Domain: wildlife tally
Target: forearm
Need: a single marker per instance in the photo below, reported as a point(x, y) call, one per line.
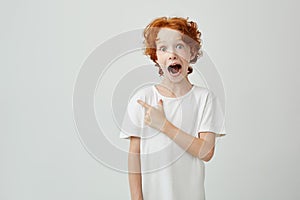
point(134, 175)
point(195, 146)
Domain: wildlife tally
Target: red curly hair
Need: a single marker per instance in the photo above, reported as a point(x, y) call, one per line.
point(189, 29)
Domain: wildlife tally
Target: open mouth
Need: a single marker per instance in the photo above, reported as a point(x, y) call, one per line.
point(174, 69)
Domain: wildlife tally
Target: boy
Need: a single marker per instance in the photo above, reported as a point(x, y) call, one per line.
point(172, 125)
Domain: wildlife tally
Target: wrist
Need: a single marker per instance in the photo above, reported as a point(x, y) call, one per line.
point(165, 126)
point(169, 129)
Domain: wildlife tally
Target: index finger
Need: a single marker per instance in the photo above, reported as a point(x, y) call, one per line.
point(145, 105)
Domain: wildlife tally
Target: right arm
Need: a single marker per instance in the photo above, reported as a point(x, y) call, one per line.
point(134, 167)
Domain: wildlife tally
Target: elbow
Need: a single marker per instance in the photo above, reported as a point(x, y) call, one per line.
point(208, 156)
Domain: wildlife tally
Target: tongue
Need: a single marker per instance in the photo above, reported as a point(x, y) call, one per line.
point(174, 69)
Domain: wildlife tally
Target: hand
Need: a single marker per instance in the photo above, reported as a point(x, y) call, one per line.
point(154, 117)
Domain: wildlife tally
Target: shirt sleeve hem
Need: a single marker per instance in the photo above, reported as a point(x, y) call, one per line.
point(217, 132)
point(127, 136)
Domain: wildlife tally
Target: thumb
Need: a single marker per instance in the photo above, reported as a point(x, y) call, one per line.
point(160, 104)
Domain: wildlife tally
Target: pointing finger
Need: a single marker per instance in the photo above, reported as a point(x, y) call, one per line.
point(145, 105)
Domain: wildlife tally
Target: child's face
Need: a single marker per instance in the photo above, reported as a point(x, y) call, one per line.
point(173, 55)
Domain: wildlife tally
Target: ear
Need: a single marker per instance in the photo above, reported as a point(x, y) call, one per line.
point(193, 54)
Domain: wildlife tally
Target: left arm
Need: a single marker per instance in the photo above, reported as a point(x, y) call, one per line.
point(202, 147)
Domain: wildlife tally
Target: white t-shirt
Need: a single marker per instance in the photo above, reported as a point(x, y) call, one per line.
point(168, 171)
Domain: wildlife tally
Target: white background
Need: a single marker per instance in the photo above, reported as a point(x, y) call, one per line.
point(254, 45)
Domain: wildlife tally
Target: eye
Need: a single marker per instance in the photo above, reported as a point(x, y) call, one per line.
point(163, 48)
point(179, 46)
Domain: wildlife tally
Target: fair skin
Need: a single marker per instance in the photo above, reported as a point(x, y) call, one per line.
point(171, 50)
point(134, 167)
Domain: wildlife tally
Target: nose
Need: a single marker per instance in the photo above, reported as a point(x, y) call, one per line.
point(172, 56)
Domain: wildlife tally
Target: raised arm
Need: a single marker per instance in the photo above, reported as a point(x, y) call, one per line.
point(201, 147)
point(134, 167)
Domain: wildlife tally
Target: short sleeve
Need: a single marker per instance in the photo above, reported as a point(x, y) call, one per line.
point(132, 124)
point(213, 117)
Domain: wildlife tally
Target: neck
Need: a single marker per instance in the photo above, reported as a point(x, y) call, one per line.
point(177, 88)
